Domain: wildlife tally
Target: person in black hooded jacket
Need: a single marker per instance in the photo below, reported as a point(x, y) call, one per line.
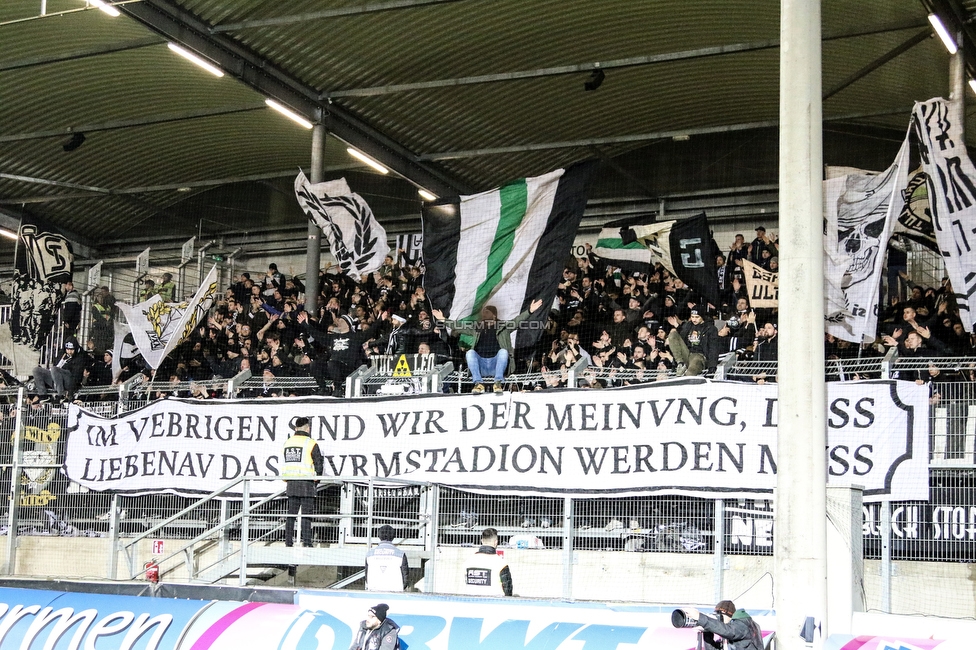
point(343, 347)
point(733, 625)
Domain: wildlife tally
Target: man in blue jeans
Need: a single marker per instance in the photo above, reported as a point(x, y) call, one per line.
point(491, 353)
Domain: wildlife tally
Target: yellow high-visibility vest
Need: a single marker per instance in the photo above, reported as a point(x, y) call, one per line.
point(298, 458)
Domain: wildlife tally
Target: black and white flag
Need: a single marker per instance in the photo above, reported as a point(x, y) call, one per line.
point(44, 261)
point(685, 249)
point(952, 198)
point(410, 249)
point(860, 212)
point(357, 240)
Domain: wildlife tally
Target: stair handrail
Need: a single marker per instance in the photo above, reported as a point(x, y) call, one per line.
point(209, 533)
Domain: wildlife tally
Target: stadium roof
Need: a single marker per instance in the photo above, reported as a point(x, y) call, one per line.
point(454, 95)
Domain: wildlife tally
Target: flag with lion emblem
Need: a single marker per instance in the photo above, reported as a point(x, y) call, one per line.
point(357, 240)
point(158, 327)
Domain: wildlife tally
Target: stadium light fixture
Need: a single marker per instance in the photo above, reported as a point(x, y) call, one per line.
point(425, 195)
point(358, 155)
point(287, 112)
point(9, 234)
point(196, 60)
point(106, 7)
point(940, 29)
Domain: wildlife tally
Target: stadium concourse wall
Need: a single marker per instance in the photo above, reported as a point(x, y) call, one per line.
point(921, 588)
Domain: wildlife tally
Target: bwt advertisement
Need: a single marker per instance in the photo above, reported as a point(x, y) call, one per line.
point(49, 620)
point(694, 437)
point(321, 621)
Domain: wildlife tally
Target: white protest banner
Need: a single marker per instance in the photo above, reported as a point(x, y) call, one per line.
point(688, 436)
point(762, 285)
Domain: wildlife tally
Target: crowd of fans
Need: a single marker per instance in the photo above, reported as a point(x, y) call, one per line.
point(635, 326)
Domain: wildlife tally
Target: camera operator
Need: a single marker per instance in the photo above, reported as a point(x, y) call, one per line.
point(735, 626)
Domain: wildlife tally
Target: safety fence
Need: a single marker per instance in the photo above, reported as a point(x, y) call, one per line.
point(728, 543)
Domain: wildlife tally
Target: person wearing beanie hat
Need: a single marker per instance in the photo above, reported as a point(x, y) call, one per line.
point(301, 462)
point(386, 565)
point(377, 631)
point(64, 376)
point(733, 625)
point(694, 343)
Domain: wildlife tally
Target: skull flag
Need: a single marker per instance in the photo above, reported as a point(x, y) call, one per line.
point(860, 213)
point(44, 261)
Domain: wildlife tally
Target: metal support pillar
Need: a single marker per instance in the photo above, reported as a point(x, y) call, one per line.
point(113, 538)
point(370, 496)
point(13, 513)
point(245, 530)
point(957, 85)
point(800, 561)
point(718, 560)
point(313, 257)
point(568, 548)
point(347, 507)
point(886, 557)
point(224, 530)
point(434, 512)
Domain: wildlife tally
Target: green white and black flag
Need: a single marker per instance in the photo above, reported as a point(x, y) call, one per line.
point(505, 247)
point(685, 248)
point(632, 257)
point(357, 240)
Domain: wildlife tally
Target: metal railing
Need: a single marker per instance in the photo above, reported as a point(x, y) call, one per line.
point(257, 522)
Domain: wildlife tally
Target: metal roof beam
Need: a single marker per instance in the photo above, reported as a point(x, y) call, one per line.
point(354, 10)
point(75, 55)
point(44, 181)
point(892, 54)
point(133, 123)
point(629, 62)
point(168, 187)
point(178, 25)
point(575, 68)
point(642, 137)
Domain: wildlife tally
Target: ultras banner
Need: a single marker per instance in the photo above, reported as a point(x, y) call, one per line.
point(687, 436)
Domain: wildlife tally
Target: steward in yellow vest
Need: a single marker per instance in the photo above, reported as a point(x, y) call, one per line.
point(301, 463)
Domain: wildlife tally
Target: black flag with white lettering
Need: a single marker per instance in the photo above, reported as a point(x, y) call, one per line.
point(693, 256)
point(44, 261)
